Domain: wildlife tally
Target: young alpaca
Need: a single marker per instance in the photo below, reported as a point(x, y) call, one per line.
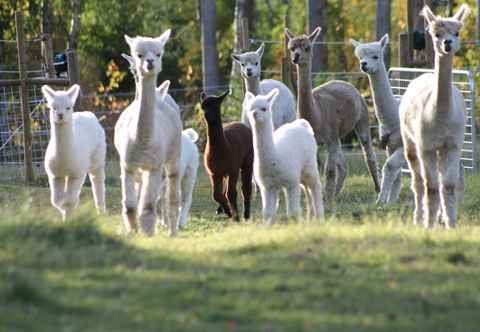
point(386, 109)
point(333, 109)
point(432, 122)
point(229, 151)
point(148, 140)
point(285, 159)
point(76, 147)
point(250, 69)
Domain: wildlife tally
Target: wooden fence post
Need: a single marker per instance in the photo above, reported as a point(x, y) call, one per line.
point(27, 130)
point(74, 74)
point(47, 52)
point(287, 75)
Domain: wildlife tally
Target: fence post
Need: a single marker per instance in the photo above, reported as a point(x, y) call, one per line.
point(27, 130)
point(47, 49)
point(287, 74)
point(74, 74)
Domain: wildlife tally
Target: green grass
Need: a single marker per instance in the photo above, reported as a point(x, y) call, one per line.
point(365, 269)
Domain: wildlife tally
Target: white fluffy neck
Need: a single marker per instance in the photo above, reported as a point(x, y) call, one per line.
point(305, 96)
point(61, 135)
point(386, 106)
point(252, 84)
point(146, 114)
point(263, 146)
point(443, 82)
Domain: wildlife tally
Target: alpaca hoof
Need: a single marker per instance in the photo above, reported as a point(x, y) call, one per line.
point(219, 210)
point(147, 224)
point(381, 201)
point(172, 232)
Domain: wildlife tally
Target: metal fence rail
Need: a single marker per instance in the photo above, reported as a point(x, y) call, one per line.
point(400, 78)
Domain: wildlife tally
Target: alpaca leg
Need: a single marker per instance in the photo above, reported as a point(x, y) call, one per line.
point(269, 204)
point(330, 171)
point(293, 201)
point(363, 133)
point(246, 176)
point(396, 189)
point(161, 201)
point(431, 200)
point(341, 171)
point(173, 194)
point(232, 195)
point(188, 183)
point(72, 189)
point(57, 193)
point(97, 179)
point(129, 201)
point(150, 184)
point(313, 186)
point(450, 175)
point(219, 194)
point(391, 176)
point(417, 180)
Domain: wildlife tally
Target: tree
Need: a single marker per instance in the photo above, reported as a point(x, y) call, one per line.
point(382, 25)
point(208, 23)
point(317, 16)
point(244, 13)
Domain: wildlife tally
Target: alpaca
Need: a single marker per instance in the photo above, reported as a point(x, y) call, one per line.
point(77, 146)
point(188, 175)
point(432, 124)
point(333, 109)
point(229, 151)
point(285, 159)
point(386, 106)
point(167, 99)
point(148, 140)
point(250, 69)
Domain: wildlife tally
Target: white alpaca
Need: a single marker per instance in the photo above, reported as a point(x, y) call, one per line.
point(167, 99)
point(189, 162)
point(386, 109)
point(76, 147)
point(250, 69)
point(432, 122)
point(148, 140)
point(285, 159)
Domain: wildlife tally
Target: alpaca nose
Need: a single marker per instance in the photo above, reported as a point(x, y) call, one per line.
point(249, 71)
point(149, 64)
point(364, 65)
point(448, 45)
point(296, 57)
point(60, 117)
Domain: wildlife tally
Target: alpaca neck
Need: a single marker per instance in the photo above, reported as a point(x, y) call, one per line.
point(62, 139)
point(215, 136)
point(252, 85)
point(146, 114)
point(305, 96)
point(385, 103)
point(443, 82)
point(264, 148)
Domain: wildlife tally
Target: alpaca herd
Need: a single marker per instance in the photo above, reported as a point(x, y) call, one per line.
point(159, 161)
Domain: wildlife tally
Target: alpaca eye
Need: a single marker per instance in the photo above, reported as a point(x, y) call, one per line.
point(158, 55)
point(263, 109)
point(375, 57)
point(243, 65)
point(307, 49)
point(456, 34)
point(437, 35)
point(69, 108)
point(139, 55)
point(256, 63)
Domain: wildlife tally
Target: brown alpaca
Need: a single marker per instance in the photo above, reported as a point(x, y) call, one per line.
point(333, 109)
point(228, 153)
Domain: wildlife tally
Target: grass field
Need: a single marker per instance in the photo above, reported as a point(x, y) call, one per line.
point(365, 269)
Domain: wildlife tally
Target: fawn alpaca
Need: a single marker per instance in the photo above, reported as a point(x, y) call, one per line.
point(228, 154)
point(286, 158)
point(432, 123)
point(76, 147)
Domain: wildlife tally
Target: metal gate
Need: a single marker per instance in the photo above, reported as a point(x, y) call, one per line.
point(400, 78)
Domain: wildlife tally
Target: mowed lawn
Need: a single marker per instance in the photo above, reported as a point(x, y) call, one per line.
point(366, 268)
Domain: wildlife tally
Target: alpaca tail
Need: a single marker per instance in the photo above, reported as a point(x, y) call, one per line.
point(191, 133)
point(306, 124)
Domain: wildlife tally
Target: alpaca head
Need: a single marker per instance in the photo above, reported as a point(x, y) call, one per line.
point(162, 92)
point(259, 108)
point(445, 31)
point(370, 54)
point(301, 46)
point(61, 103)
point(250, 62)
point(211, 106)
point(147, 53)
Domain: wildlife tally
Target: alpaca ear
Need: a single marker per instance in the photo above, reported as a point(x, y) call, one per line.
point(289, 34)
point(203, 96)
point(236, 58)
point(73, 93)
point(385, 40)
point(355, 43)
point(48, 93)
point(272, 95)
point(129, 59)
point(164, 37)
point(130, 41)
point(314, 35)
point(260, 50)
point(162, 89)
point(223, 95)
point(429, 16)
point(462, 13)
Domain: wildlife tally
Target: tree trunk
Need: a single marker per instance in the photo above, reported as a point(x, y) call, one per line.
point(243, 20)
point(208, 24)
point(75, 25)
point(47, 46)
point(317, 16)
point(478, 22)
point(383, 24)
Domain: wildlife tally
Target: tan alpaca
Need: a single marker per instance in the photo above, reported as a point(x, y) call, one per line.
point(432, 123)
point(333, 109)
